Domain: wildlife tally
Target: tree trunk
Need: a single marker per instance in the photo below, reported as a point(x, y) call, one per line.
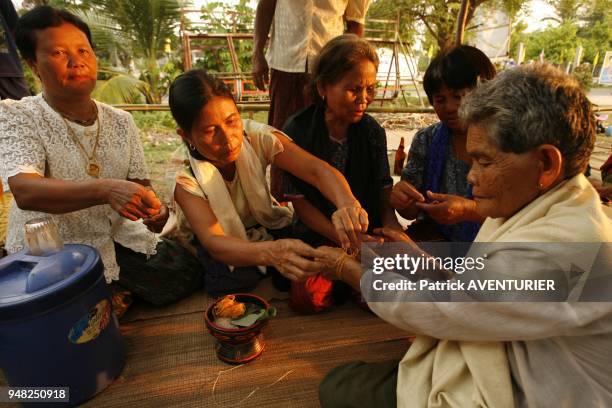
point(461, 22)
point(445, 40)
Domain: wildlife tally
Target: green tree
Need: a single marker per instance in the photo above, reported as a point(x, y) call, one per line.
point(596, 30)
point(589, 27)
point(438, 16)
point(567, 11)
point(517, 36)
point(558, 43)
point(28, 4)
point(138, 30)
point(121, 88)
point(221, 18)
point(584, 76)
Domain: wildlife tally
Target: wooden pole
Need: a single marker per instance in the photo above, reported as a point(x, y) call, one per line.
point(465, 4)
point(186, 46)
point(382, 101)
point(398, 74)
point(235, 66)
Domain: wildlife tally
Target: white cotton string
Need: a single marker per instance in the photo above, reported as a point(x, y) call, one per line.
point(252, 392)
point(217, 379)
point(280, 378)
point(267, 386)
point(248, 396)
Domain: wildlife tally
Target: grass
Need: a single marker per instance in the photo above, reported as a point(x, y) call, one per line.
point(157, 121)
point(261, 117)
point(157, 155)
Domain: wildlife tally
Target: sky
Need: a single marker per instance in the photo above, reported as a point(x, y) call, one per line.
point(538, 9)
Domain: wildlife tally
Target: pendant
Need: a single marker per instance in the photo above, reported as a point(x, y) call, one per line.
point(93, 170)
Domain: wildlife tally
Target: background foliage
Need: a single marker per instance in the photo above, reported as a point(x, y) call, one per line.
point(139, 52)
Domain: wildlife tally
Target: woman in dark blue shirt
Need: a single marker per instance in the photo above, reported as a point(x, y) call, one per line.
point(434, 187)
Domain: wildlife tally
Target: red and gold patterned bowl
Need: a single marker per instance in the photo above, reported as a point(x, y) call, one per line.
point(240, 345)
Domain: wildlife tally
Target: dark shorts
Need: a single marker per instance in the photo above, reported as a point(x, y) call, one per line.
point(169, 275)
point(288, 94)
point(220, 280)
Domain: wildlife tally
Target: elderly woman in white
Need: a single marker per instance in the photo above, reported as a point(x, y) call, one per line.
point(531, 132)
point(81, 163)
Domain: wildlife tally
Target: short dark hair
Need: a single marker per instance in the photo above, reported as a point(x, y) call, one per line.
point(532, 105)
point(189, 93)
point(457, 68)
point(39, 18)
point(337, 58)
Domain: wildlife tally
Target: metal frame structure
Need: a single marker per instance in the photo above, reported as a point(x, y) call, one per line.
point(388, 36)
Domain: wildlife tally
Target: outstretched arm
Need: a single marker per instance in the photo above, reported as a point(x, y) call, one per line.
point(389, 219)
point(315, 219)
point(35, 193)
point(450, 209)
point(291, 257)
point(404, 197)
point(350, 219)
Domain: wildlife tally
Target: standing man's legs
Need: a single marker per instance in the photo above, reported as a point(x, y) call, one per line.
point(288, 95)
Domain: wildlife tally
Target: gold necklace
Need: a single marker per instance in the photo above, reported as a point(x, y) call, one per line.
point(93, 168)
point(86, 122)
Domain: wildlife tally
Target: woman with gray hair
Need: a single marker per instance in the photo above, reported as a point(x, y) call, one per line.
point(530, 134)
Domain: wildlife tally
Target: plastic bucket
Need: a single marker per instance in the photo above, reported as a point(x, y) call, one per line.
point(57, 327)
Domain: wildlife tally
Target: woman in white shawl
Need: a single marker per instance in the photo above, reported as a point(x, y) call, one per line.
point(225, 197)
point(531, 132)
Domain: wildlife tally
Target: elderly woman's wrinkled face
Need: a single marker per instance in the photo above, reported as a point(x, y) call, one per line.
point(65, 61)
point(217, 132)
point(446, 103)
point(347, 99)
point(502, 183)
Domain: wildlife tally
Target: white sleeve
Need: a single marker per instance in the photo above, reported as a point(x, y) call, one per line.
point(265, 143)
point(21, 149)
point(189, 184)
point(495, 321)
point(271, 146)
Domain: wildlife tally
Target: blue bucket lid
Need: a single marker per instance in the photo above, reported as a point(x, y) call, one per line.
point(35, 284)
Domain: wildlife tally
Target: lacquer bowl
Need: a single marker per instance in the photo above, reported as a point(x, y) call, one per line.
point(240, 345)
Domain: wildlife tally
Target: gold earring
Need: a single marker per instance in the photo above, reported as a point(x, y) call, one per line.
point(191, 147)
